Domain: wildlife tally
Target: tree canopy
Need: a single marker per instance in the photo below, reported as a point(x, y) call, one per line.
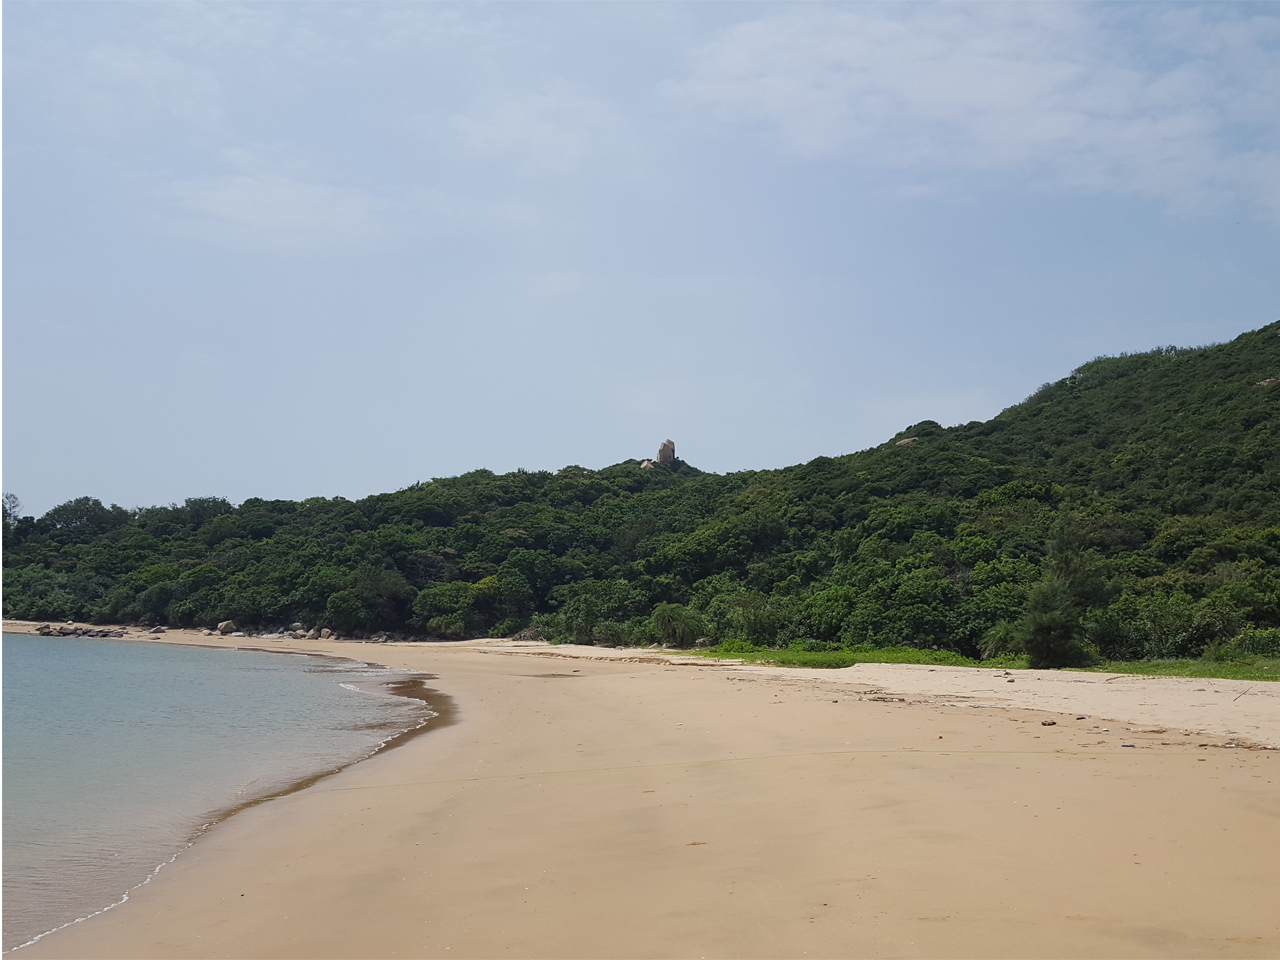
point(1132, 508)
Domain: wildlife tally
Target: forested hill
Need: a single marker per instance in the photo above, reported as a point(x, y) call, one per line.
point(1134, 506)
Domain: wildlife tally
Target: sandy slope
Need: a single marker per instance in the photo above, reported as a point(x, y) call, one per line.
point(604, 803)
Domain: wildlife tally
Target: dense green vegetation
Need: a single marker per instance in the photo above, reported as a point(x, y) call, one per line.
point(1130, 511)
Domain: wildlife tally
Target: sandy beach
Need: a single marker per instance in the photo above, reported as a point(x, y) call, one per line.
point(590, 802)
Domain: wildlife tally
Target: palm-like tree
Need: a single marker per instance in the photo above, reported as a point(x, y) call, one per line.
point(678, 625)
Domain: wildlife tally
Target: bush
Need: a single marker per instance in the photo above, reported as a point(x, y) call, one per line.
point(1259, 643)
point(1161, 627)
point(509, 627)
point(1249, 643)
point(345, 611)
point(611, 633)
point(444, 603)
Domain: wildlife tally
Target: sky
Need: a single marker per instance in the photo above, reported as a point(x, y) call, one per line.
point(294, 250)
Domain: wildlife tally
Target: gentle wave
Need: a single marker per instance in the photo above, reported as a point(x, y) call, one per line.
point(164, 741)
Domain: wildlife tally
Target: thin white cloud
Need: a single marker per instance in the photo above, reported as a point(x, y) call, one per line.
point(126, 85)
point(272, 201)
point(551, 131)
point(445, 213)
point(271, 211)
point(1173, 103)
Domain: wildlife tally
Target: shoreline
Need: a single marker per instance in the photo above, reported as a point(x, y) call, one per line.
point(1058, 691)
point(637, 795)
point(443, 712)
point(906, 679)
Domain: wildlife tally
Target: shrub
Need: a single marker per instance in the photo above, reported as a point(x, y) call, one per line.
point(1259, 643)
point(1161, 626)
point(509, 627)
point(345, 611)
point(1246, 645)
point(735, 645)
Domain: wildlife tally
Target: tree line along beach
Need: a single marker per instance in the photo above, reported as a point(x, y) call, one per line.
point(1128, 512)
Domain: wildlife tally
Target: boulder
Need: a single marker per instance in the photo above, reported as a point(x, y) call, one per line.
point(646, 465)
point(1269, 382)
point(667, 453)
point(206, 633)
point(44, 629)
point(238, 633)
point(296, 626)
point(326, 633)
point(158, 630)
point(312, 634)
point(906, 442)
point(226, 626)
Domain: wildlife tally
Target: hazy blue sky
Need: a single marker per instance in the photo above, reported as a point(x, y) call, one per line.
point(288, 250)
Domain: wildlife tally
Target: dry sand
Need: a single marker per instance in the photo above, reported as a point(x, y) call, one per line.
point(600, 803)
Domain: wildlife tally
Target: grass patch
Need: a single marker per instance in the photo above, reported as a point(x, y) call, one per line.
point(835, 659)
point(1254, 668)
point(1260, 668)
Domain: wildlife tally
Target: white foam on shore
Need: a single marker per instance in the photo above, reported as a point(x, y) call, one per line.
point(244, 796)
point(430, 715)
point(123, 899)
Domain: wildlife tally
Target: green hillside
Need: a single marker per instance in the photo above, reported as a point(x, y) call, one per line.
point(1131, 510)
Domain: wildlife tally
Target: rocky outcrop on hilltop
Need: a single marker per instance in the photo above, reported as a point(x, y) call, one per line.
point(666, 458)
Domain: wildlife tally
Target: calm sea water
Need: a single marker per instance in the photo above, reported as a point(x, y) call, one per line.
point(118, 754)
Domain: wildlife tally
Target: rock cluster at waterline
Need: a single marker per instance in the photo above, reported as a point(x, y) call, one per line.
point(70, 630)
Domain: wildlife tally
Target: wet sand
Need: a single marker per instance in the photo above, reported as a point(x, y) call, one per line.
point(619, 804)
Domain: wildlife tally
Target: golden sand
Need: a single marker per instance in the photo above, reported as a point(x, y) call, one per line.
point(602, 803)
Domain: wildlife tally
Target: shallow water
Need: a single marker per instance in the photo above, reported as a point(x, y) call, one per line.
point(118, 754)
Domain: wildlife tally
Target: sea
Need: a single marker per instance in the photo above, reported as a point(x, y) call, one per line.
point(118, 755)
